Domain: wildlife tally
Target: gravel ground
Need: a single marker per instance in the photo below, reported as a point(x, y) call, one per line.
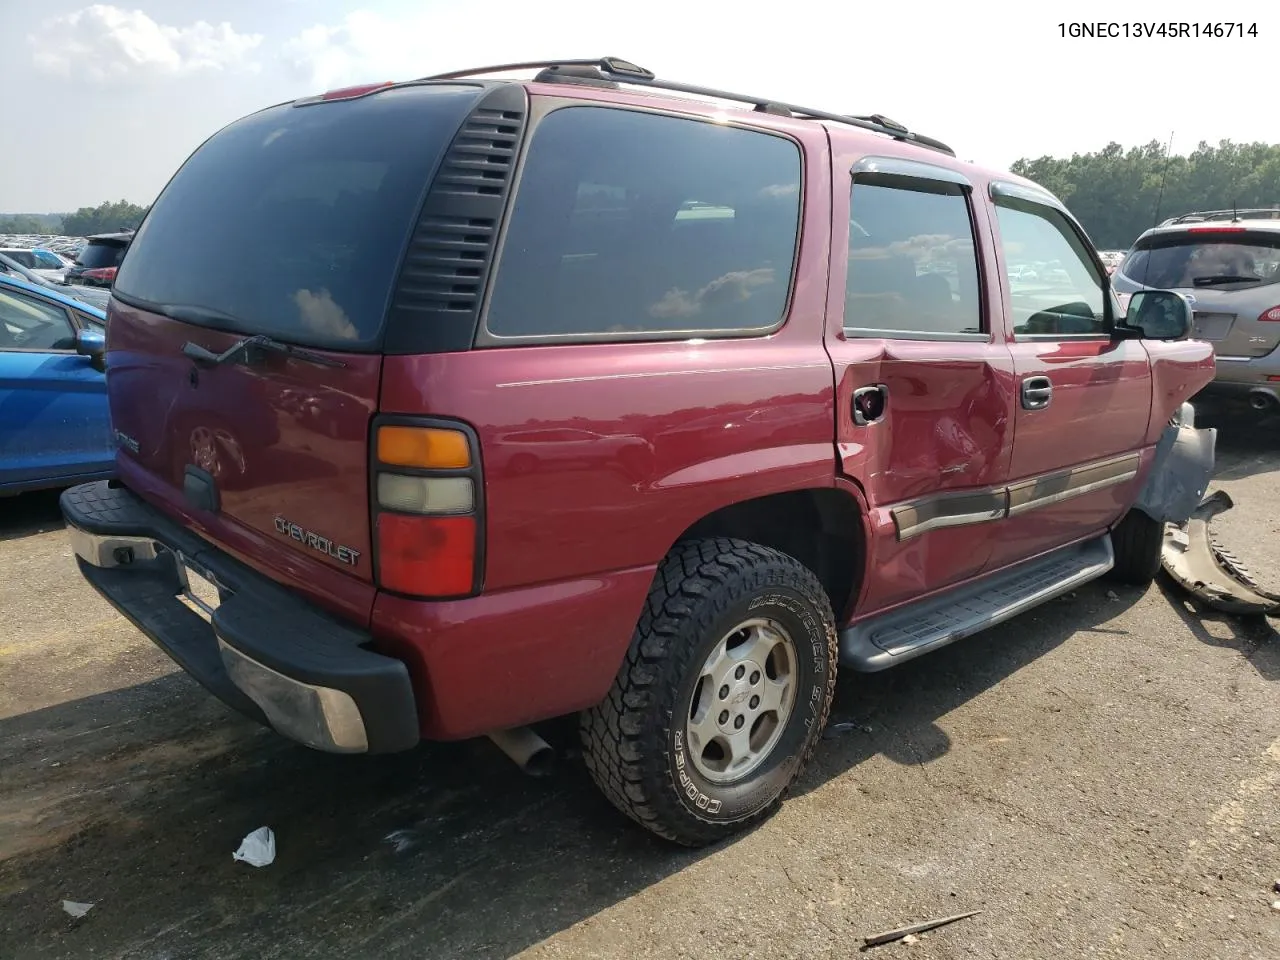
point(1100, 777)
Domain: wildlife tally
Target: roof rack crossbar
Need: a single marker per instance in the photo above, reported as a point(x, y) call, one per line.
point(622, 71)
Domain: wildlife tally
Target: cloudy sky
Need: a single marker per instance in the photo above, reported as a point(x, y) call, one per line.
point(103, 101)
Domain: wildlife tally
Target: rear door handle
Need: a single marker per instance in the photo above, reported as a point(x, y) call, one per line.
point(1036, 393)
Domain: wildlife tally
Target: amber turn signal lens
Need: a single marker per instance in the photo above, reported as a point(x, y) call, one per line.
point(429, 448)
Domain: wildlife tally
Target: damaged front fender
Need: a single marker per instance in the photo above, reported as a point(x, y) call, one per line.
point(1207, 571)
point(1181, 471)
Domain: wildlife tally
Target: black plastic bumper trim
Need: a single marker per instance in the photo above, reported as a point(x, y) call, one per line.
point(257, 616)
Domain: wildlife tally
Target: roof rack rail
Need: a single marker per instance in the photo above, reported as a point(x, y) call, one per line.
point(612, 71)
point(1242, 213)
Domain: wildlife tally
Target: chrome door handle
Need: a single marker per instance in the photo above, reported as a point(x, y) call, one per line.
point(1036, 393)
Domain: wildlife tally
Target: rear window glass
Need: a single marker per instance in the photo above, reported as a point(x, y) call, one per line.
point(636, 224)
point(1227, 260)
point(291, 222)
point(100, 253)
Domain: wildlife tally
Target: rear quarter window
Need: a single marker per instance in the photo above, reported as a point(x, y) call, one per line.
point(631, 225)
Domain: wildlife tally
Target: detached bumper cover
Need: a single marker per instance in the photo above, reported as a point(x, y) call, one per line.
point(1207, 571)
point(261, 650)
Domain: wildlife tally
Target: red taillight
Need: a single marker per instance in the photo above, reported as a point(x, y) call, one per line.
point(1270, 316)
point(426, 489)
point(102, 273)
point(427, 556)
point(1215, 230)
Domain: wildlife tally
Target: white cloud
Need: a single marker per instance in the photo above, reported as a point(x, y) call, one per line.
point(105, 43)
point(331, 56)
point(368, 46)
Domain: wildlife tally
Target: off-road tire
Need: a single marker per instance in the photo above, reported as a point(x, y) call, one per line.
point(1137, 541)
point(633, 747)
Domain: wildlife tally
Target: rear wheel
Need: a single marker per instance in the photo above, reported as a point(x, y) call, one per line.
point(1137, 541)
point(723, 693)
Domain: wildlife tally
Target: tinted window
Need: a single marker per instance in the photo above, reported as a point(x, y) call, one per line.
point(46, 260)
point(1054, 286)
point(1227, 260)
point(292, 221)
point(30, 324)
point(635, 223)
point(912, 265)
point(100, 253)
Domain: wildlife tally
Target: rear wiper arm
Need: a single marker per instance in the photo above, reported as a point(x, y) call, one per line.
point(1224, 278)
point(251, 347)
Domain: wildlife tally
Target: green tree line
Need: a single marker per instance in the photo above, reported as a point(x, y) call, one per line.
point(1117, 193)
point(104, 218)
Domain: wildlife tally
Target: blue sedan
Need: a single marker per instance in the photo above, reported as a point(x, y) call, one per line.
point(55, 428)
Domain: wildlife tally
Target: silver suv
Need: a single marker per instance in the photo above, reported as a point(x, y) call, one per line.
point(1227, 263)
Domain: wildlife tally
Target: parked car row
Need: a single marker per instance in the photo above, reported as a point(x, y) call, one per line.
point(44, 263)
point(62, 245)
point(1111, 259)
point(94, 296)
point(92, 262)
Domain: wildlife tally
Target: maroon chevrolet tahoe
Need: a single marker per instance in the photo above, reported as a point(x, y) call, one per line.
point(450, 406)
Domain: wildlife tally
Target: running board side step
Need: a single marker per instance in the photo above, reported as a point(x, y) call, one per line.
point(907, 632)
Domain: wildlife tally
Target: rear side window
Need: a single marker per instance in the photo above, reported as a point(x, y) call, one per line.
point(1227, 259)
point(1055, 288)
point(100, 253)
point(633, 225)
point(24, 257)
point(912, 266)
point(292, 221)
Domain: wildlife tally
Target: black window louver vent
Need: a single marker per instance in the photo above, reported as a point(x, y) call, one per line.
point(437, 298)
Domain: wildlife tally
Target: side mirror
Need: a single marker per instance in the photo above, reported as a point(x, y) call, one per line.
point(1157, 315)
point(92, 344)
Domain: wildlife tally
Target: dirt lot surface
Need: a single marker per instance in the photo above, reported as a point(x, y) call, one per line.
point(1100, 777)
